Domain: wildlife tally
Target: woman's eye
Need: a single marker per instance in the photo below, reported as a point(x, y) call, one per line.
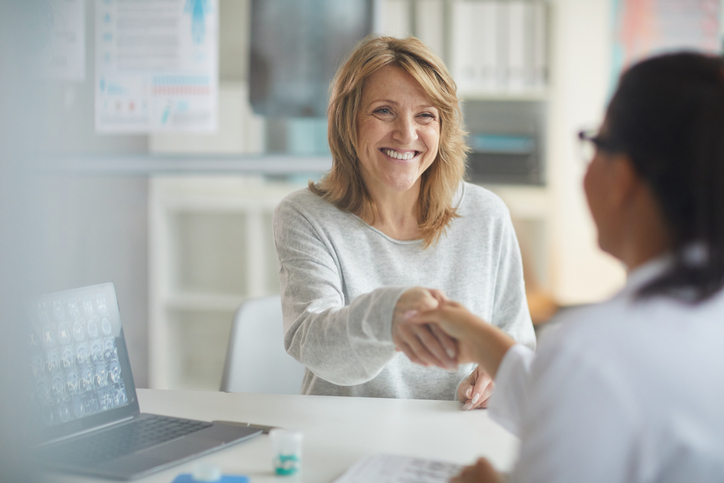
point(383, 111)
point(427, 116)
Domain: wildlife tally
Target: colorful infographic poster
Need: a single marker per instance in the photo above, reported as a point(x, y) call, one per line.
point(156, 66)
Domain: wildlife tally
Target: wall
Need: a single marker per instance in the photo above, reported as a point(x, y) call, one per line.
point(580, 63)
point(92, 228)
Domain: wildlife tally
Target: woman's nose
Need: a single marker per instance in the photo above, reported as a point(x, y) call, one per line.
point(405, 130)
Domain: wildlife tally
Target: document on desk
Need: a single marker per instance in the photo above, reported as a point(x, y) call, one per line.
point(391, 468)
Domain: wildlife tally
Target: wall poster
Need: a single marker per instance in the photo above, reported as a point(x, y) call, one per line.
point(156, 66)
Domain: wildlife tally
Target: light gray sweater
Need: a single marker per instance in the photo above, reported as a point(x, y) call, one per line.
point(341, 279)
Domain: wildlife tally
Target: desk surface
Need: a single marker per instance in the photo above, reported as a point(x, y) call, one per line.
point(337, 431)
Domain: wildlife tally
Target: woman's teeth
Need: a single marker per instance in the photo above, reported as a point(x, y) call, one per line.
point(403, 156)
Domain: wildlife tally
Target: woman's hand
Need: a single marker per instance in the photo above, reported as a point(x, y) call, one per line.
point(475, 391)
point(481, 472)
point(478, 341)
point(423, 344)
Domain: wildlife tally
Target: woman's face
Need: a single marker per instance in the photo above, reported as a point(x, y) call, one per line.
point(601, 191)
point(398, 132)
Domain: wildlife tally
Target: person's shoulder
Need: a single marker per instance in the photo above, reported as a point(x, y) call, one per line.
point(473, 198)
point(584, 328)
point(303, 202)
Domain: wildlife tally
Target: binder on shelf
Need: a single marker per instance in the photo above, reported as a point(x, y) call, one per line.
point(499, 46)
point(463, 62)
point(429, 25)
point(516, 36)
point(539, 61)
point(486, 45)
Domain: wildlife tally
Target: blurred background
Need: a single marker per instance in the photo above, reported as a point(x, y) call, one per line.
point(147, 143)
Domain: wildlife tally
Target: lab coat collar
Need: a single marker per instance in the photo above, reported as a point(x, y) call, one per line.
point(640, 276)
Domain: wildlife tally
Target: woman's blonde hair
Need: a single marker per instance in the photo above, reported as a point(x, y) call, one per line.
point(343, 186)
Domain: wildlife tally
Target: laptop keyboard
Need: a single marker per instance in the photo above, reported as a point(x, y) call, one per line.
point(123, 440)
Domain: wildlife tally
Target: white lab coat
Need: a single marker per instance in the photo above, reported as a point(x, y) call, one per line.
point(627, 390)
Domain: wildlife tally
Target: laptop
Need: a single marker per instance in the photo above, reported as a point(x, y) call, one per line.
point(87, 418)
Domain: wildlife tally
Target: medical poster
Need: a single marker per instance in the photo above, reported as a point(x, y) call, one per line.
point(647, 27)
point(60, 40)
point(156, 66)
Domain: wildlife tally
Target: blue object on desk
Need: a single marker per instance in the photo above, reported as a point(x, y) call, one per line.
point(188, 478)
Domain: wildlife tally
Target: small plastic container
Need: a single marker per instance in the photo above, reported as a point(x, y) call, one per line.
point(286, 451)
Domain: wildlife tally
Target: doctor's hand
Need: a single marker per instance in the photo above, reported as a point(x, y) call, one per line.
point(422, 343)
point(481, 472)
point(478, 341)
point(475, 391)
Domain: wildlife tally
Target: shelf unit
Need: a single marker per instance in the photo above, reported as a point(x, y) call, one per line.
point(210, 248)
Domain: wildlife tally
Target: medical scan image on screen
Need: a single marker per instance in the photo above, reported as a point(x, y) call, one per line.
point(74, 356)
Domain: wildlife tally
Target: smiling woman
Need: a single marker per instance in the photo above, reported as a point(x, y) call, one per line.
point(398, 136)
point(393, 214)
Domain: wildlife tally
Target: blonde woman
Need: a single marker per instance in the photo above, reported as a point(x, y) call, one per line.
point(394, 214)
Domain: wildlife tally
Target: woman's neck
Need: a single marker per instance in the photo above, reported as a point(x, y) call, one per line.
point(396, 214)
point(646, 236)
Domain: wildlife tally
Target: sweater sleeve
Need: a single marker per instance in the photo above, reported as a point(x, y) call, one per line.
point(343, 342)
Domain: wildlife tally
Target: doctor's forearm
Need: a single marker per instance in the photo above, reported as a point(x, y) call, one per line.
point(489, 346)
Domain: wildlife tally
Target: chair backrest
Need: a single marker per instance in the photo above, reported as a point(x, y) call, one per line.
point(255, 359)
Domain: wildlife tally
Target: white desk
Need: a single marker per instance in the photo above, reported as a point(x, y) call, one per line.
point(337, 431)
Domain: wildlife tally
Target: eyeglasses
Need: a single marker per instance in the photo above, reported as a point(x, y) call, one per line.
point(590, 141)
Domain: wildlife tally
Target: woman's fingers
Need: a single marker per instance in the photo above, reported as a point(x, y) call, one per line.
point(439, 295)
point(482, 390)
point(465, 391)
point(449, 344)
point(475, 391)
point(425, 346)
point(418, 341)
point(407, 350)
point(435, 346)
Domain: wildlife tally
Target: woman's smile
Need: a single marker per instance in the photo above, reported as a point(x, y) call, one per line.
point(399, 155)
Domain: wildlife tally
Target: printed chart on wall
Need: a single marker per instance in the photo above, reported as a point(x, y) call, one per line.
point(60, 41)
point(647, 27)
point(156, 66)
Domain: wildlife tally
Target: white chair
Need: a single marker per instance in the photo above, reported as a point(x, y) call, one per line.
point(255, 359)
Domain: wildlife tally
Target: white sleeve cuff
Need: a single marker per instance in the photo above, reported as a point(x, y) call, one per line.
point(510, 397)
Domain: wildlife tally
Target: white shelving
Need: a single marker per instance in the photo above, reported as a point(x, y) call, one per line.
point(211, 247)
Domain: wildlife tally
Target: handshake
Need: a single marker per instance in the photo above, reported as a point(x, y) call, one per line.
point(432, 330)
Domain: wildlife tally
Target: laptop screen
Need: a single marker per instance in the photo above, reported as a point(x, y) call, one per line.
point(81, 372)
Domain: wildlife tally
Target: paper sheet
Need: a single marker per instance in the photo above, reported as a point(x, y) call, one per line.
point(156, 65)
point(60, 39)
point(389, 468)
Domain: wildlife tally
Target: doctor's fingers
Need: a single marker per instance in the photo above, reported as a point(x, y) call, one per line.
point(481, 472)
point(424, 346)
point(405, 349)
point(449, 344)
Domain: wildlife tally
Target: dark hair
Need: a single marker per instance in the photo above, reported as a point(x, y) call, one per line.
point(668, 116)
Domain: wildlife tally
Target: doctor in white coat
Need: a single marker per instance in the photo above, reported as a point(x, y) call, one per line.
point(631, 389)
